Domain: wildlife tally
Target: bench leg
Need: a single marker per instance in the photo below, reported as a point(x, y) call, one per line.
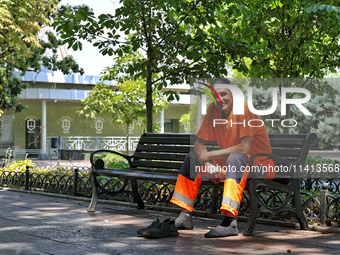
point(299, 211)
point(94, 199)
point(253, 212)
point(136, 194)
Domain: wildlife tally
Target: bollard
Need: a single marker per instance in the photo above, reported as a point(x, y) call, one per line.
point(75, 182)
point(27, 177)
point(323, 204)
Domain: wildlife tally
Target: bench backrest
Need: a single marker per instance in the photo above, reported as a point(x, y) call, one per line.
point(292, 147)
point(164, 151)
point(167, 150)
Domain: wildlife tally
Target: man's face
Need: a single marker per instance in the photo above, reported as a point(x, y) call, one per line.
point(226, 98)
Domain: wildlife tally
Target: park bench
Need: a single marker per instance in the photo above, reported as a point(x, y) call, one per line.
point(158, 157)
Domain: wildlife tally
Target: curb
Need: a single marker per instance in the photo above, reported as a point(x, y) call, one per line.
point(320, 229)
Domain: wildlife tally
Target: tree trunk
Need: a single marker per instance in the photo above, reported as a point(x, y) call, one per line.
point(127, 138)
point(287, 83)
point(149, 104)
point(287, 117)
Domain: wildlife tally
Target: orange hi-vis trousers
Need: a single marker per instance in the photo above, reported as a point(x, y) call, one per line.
point(190, 179)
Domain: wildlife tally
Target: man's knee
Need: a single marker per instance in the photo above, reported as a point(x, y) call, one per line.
point(237, 159)
point(188, 166)
point(191, 156)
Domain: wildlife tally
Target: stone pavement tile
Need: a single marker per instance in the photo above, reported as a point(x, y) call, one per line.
point(55, 241)
point(18, 242)
point(227, 245)
point(308, 242)
point(9, 248)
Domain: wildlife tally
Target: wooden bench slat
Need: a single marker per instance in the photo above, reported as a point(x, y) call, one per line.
point(157, 164)
point(169, 135)
point(177, 139)
point(165, 140)
point(142, 175)
point(290, 143)
point(162, 156)
point(165, 148)
point(173, 140)
point(287, 136)
point(287, 152)
point(146, 170)
point(158, 170)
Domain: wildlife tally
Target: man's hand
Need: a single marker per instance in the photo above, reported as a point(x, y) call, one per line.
point(203, 157)
point(213, 173)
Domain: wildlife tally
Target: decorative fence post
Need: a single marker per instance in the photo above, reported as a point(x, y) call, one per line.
point(27, 177)
point(75, 181)
point(309, 181)
point(323, 204)
point(214, 199)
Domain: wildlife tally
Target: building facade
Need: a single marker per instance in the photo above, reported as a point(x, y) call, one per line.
point(52, 119)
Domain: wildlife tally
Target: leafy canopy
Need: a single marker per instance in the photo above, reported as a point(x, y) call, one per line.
point(20, 22)
point(22, 47)
point(284, 39)
point(125, 105)
point(175, 39)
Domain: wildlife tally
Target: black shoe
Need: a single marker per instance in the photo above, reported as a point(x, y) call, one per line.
point(166, 229)
point(153, 224)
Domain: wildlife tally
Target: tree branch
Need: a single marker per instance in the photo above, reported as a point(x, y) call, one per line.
point(178, 71)
point(177, 25)
point(147, 39)
point(244, 63)
point(326, 55)
point(273, 71)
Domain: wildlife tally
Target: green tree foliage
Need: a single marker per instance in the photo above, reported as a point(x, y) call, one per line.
point(22, 48)
point(20, 22)
point(52, 61)
point(284, 39)
point(324, 121)
point(125, 105)
point(11, 86)
point(262, 100)
point(175, 39)
point(189, 120)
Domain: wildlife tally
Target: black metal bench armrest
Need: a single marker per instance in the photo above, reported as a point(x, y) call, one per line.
point(128, 158)
point(276, 159)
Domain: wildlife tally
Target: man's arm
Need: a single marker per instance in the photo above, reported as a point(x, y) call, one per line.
point(199, 148)
point(204, 156)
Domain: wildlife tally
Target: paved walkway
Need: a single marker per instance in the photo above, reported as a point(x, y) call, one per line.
point(36, 224)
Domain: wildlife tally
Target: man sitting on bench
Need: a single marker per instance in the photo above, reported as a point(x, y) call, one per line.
point(238, 141)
